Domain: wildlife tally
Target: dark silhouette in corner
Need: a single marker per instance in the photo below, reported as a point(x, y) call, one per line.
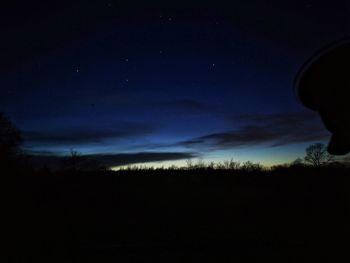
point(323, 85)
point(10, 140)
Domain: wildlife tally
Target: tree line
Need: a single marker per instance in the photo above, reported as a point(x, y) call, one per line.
point(11, 154)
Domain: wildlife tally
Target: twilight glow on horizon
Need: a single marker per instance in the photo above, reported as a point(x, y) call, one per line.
point(159, 84)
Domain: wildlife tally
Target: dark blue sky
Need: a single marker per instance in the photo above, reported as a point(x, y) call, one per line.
point(171, 81)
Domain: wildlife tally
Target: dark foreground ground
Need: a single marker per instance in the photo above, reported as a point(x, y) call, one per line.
point(289, 215)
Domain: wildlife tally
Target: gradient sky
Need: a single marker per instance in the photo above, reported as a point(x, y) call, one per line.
point(147, 81)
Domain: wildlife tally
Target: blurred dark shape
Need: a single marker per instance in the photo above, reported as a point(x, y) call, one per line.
point(323, 85)
point(10, 140)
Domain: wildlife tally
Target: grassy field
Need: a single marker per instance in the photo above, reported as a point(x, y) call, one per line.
point(288, 215)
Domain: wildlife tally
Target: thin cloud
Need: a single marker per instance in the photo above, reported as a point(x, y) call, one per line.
point(81, 136)
point(264, 129)
point(279, 119)
point(186, 104)
point(111, 160)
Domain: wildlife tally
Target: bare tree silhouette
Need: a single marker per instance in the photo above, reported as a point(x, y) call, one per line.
point(73, 161)
point(317, 155)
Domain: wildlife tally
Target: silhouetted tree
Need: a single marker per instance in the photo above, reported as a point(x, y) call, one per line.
point(297, 163)
point(72, 161)
point(10, 140)
point(200, 164)
point(231, 165)
point(252, 167)
point(211, 165)
point(220, 166)
point(317, 155)
point(189, 164)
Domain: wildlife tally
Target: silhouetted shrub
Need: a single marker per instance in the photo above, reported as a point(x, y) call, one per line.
point(252, 167)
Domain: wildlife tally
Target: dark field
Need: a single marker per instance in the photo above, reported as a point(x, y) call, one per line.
point(287, 215)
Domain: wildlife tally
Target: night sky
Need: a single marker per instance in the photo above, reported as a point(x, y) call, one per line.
point(135, 82)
